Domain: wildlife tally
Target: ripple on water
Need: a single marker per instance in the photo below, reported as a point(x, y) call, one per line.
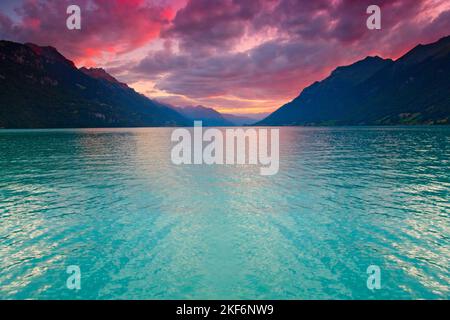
point(110, 201)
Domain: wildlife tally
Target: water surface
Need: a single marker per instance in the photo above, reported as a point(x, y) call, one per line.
point(139, 227)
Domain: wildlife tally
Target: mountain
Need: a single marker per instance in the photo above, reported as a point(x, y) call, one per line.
point(40, 88)
point(414, 89)
point(239, 120)
point(213, 118)
point(101, 74)
point(209, 116)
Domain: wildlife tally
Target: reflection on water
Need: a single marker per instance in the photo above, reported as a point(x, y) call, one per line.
point(110, 201)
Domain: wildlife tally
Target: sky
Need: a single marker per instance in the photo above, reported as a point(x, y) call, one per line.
point(236, 56)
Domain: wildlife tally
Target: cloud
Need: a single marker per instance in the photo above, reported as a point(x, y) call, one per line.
point(308, 40)
point(108, 27)
point(262, 72)
point(162, 61)
point(207, 27)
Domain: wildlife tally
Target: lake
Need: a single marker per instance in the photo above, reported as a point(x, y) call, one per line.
point(139, 227)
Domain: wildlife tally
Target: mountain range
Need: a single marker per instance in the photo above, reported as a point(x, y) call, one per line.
point(213, 118)
point(40, 88)
point(414, 89)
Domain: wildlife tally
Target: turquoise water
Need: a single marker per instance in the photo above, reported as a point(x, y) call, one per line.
point(139, 227)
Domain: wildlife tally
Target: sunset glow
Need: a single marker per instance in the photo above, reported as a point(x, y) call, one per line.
point(235, 56)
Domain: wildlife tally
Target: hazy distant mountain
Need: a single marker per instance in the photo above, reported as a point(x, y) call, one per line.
point(239, 120)
point(208, 116)
point(211, 117)
point(414, 89)
point(39, 88)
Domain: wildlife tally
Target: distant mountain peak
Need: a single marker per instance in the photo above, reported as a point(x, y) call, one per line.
point(100, 73)
point(421, 52)
point(373, 58)
point(50, 53)
point(200, 108)
point(209, 116)
point(367, 62)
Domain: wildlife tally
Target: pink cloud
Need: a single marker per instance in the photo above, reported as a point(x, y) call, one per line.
point(114, 26)
point(311, 39)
